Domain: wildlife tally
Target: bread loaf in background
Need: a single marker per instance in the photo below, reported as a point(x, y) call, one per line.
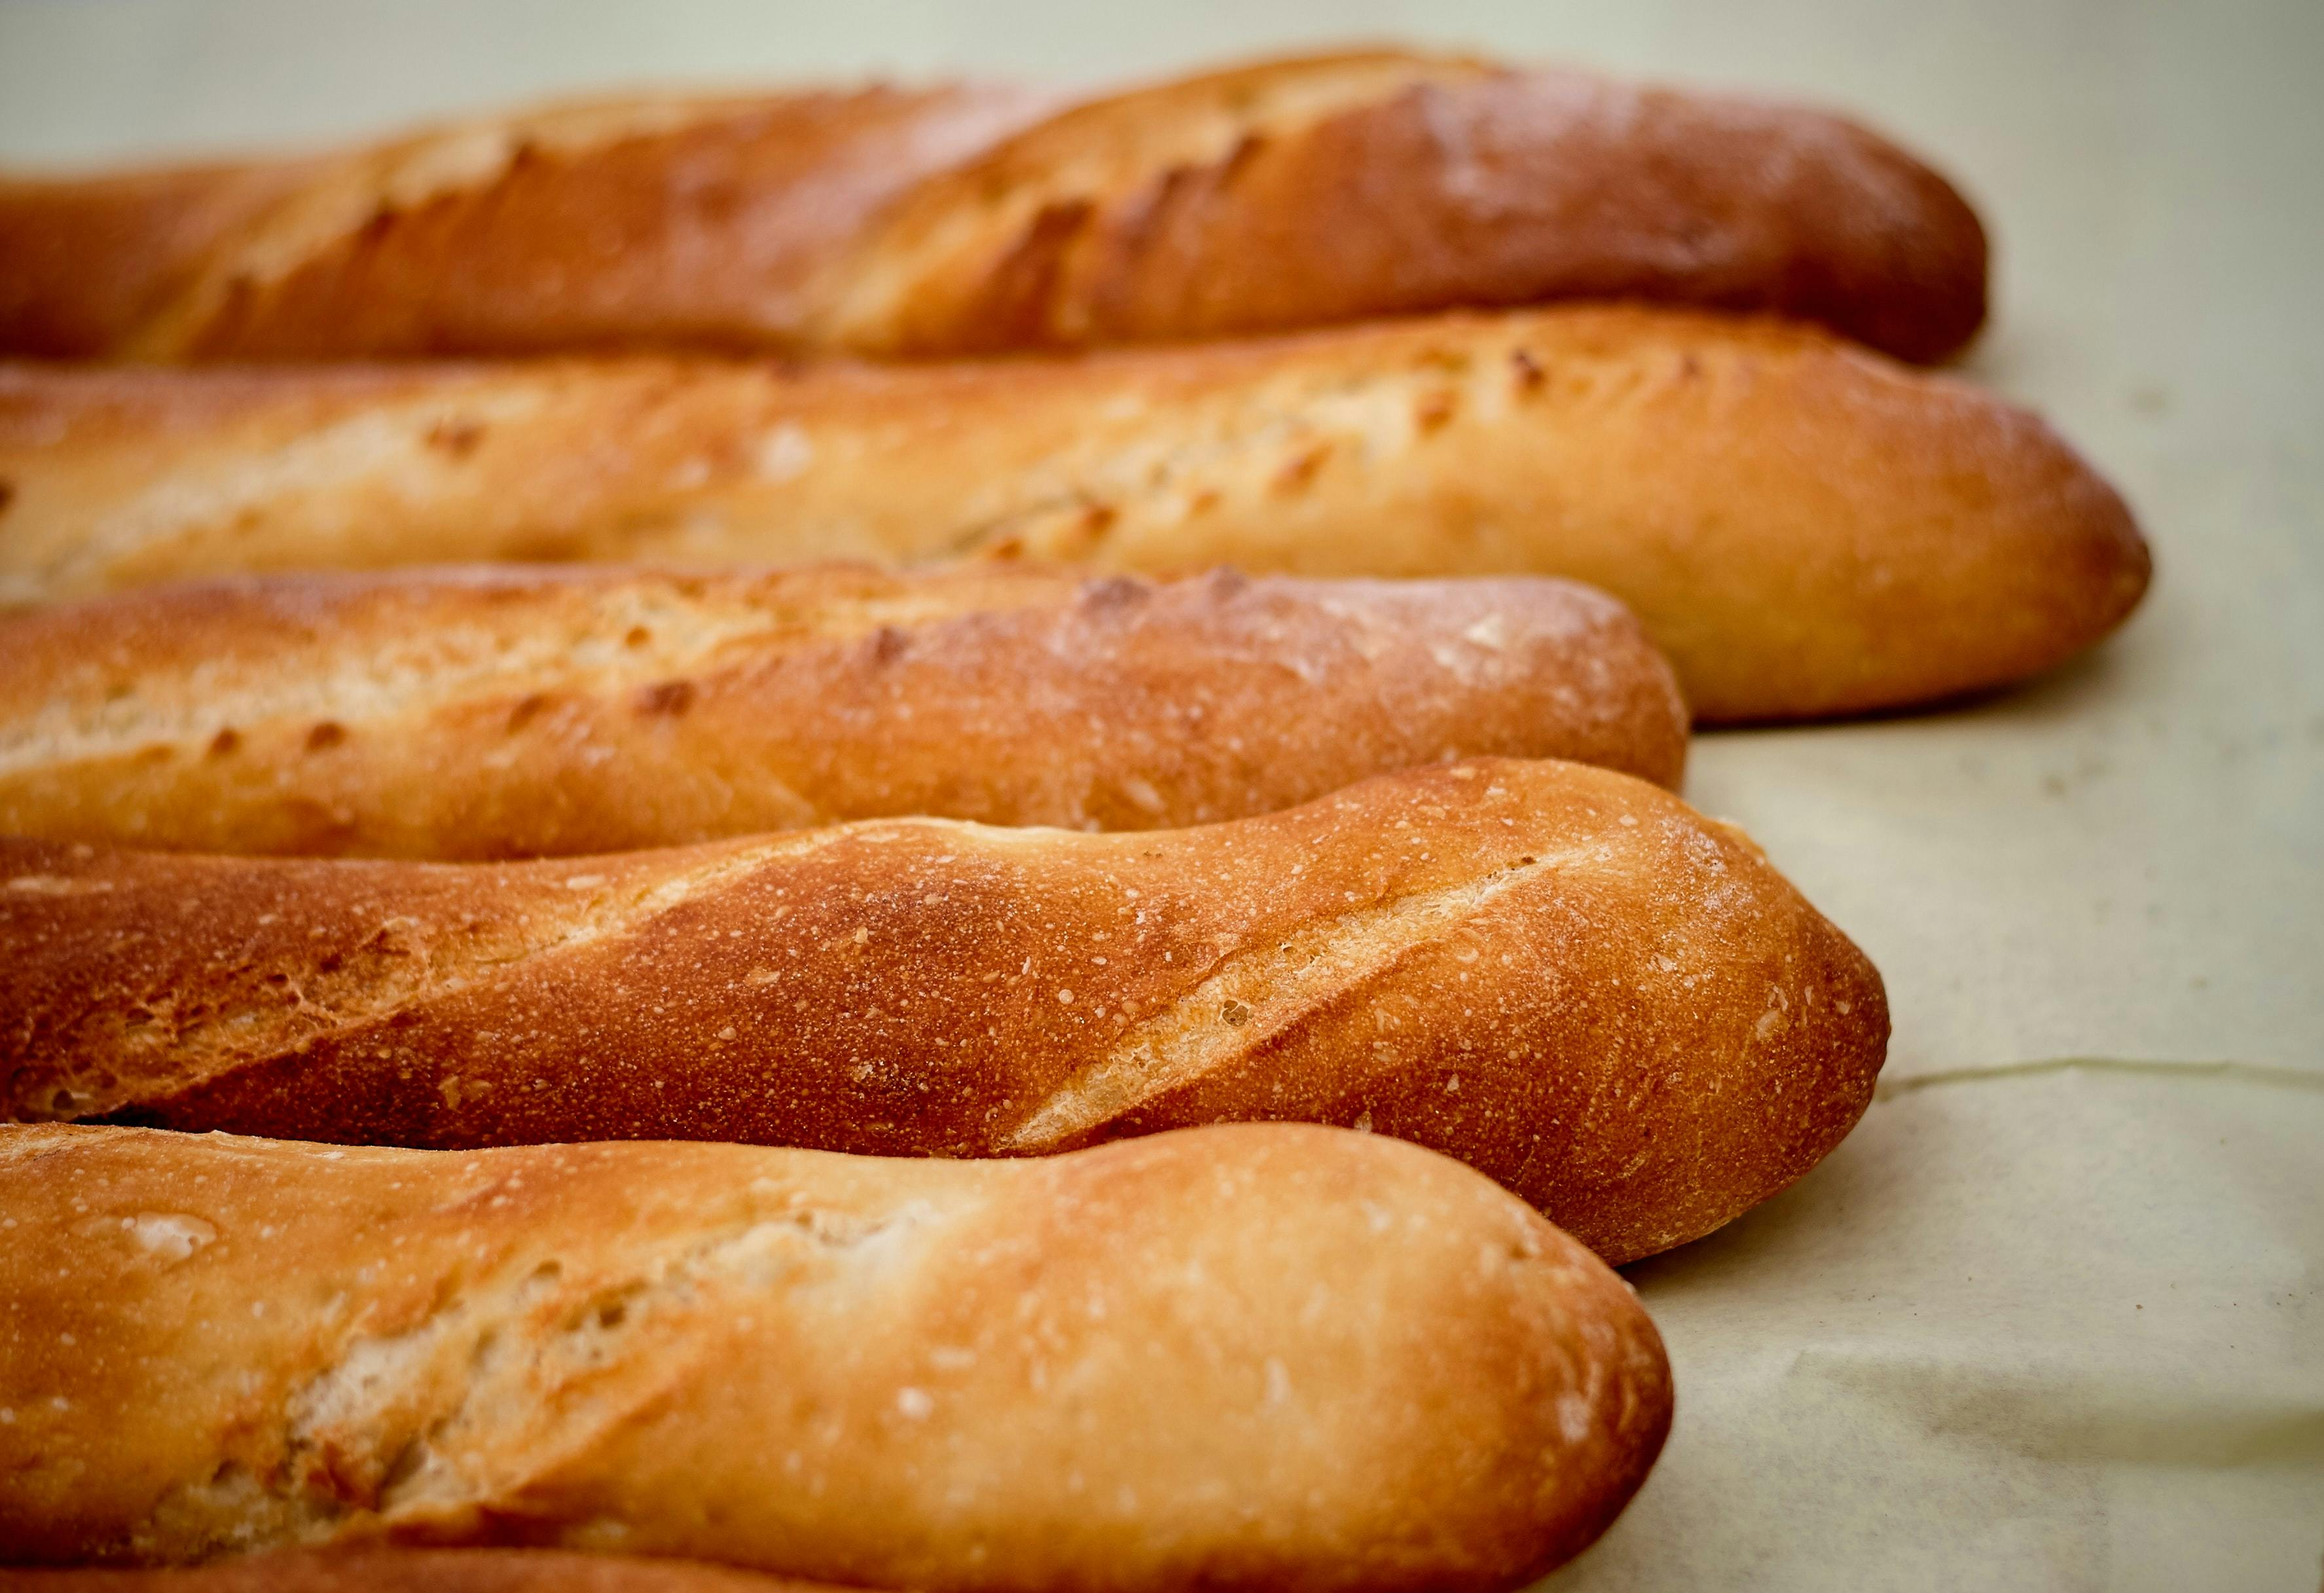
point(958, 219)
point(1256, 1357)
point(1804, 528)
point(413, 1570)
point(702, 218)
point(1562, 976)
point(485, 714)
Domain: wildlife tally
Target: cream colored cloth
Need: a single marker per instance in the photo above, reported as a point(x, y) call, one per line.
point(2048, 1328)
point(2032, 1327)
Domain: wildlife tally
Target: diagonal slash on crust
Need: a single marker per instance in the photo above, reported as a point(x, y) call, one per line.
point(1256, 995)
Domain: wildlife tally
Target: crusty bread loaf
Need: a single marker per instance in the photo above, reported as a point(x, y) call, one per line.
point(1256, 1356)
point(1804, 528)
point(681, 220)
point(498, 714)
point(413, 1570)
point(1562, 976)
point(1286, 194)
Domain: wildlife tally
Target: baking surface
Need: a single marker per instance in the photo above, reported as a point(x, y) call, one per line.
point(2040, 1323)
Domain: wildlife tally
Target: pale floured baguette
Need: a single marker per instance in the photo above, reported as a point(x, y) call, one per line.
point(488, 714)
point(1562, 976)
point(1290, 193)
point(1804, 528)
point(1257, 1356)
point(361, 1569)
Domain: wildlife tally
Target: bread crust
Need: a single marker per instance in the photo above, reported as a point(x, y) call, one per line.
point(403, 1571)
point(489, 714)
point(1562, 976)
point(1289, 193)
point(1255, 1357)
point(646, 221)
point(1271, 198)
point(1804, 528)
point(82, 261)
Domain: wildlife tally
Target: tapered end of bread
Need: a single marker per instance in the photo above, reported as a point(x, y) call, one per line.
point(1809, 530)
point(1986, 552)
point(1905, 262)
point(2095, 561)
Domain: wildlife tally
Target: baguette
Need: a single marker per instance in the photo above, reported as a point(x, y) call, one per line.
point(1562, 976)
point(698, 219)
point(1256, 1356)
point(1803, 528)
point(409, 1571)
point(498, 714)
point(1289, 193)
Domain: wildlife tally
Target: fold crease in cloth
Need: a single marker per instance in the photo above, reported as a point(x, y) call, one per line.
point(2275, 1075)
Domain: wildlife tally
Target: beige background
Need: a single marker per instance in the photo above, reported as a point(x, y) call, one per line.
point(2036, 1325)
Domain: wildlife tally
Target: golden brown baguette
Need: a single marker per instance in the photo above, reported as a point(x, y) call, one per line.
point(1564, 976)
point(413, 1570)
point(489, 714)
point(1289, 193)
point(658, 219)
point(1256, 1356)
point(1804, 528)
